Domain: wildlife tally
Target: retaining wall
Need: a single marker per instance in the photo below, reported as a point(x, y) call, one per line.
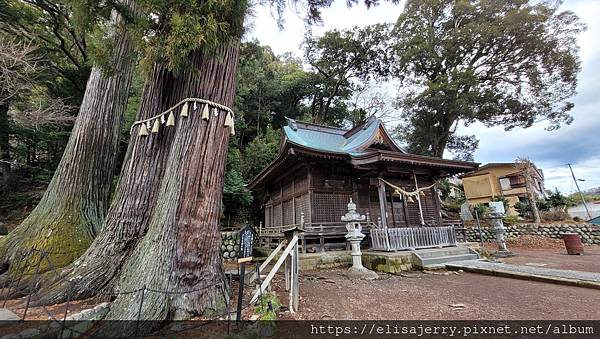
point(230, 245)
point(590, 234)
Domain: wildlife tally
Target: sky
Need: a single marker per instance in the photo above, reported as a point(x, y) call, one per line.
point(577, 144)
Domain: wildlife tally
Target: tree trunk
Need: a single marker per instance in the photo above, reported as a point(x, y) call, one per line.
point(73, 208)
point(438, 145)
point(162, 228)
point(532, 198)
point(4, 147)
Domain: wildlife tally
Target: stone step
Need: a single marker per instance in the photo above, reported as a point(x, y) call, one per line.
point(435, 267)
point(448, 258)
point(6, 314)
point(439, 252)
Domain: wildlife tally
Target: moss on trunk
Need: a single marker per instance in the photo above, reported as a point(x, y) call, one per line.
point(162, 228)
point(73, 208)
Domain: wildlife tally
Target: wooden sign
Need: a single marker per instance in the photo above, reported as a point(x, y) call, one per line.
point(247, 237)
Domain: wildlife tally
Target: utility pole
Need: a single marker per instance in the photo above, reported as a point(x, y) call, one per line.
point(580, 194)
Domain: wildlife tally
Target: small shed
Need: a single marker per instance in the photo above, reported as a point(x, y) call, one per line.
point(320, 168)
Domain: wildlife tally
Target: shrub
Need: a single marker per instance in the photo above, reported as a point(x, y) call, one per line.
point(481, 209)
point(268, 307)
point(554, 216)
point(452, 205)
point(511, 219)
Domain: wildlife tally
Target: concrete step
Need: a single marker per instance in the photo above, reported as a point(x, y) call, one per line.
point(448, 258)
point(440, 252)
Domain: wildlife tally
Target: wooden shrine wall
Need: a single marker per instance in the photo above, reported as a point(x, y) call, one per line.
point(288, 200)
point(323, 192)
point(331, 188)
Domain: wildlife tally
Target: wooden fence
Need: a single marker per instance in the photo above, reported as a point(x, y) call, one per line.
point(329, 234)
point(405, 238)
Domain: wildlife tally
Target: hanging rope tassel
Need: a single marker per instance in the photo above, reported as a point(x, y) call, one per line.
point(228, 120)
point(156, 126)
point(409, 199)
point(205, 113)
point(184, 110)
point(171, 120)
point(230, 123)
point(143, 130)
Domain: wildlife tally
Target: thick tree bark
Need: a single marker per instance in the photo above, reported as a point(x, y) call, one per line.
point(162, 228)
point(73, 208)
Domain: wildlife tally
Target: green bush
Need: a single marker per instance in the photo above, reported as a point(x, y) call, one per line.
point(524, 209)
point(481, 209)
point(511, 219)
point(554, 216)
point(266, 312)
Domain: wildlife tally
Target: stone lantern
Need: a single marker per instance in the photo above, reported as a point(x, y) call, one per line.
point(495, 217)
point(354, 227)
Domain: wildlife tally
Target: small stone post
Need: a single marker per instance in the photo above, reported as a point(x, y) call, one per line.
point(355, 236)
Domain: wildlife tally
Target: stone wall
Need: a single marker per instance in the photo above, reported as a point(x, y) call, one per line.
point(590, 234)
point(230, 245)
point(394, 262)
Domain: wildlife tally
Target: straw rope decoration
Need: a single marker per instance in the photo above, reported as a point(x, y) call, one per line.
point(167, 117)
point(398, 190)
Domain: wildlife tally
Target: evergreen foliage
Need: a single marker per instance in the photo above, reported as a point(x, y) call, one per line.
point(509, 63)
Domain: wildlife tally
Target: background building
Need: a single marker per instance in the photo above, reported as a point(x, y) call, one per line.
point(495, 180)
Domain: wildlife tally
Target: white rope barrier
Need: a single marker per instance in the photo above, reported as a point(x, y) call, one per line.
point(159, 119)
point(414, 193)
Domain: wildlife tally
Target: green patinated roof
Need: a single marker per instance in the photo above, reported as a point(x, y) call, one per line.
point(335, 140)
point(368, 142)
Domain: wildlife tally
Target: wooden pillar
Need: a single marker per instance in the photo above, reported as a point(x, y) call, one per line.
point(381, 191)
point(294, 200)
point(419, 200)
point(321, 238)
point(438, 205)
point(392, 208)
point(310, 194)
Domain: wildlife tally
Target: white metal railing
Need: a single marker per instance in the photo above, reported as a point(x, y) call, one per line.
point(404, 238)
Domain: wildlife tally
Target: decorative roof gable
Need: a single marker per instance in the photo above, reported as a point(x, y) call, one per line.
point(371, 134)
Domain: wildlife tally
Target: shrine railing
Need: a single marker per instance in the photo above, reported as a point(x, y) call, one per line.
point(315, 229)
point(405, 238)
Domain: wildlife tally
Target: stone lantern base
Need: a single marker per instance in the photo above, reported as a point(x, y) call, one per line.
point(361, 273)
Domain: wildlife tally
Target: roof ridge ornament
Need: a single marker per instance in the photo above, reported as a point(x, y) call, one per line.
point(292, 124)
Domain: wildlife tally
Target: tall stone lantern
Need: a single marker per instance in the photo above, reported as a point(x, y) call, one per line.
point(354, 227)
point(495, 217)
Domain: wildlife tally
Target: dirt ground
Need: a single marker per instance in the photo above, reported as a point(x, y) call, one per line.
point(328, 294)
point(553, 255)
point(588, 262)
